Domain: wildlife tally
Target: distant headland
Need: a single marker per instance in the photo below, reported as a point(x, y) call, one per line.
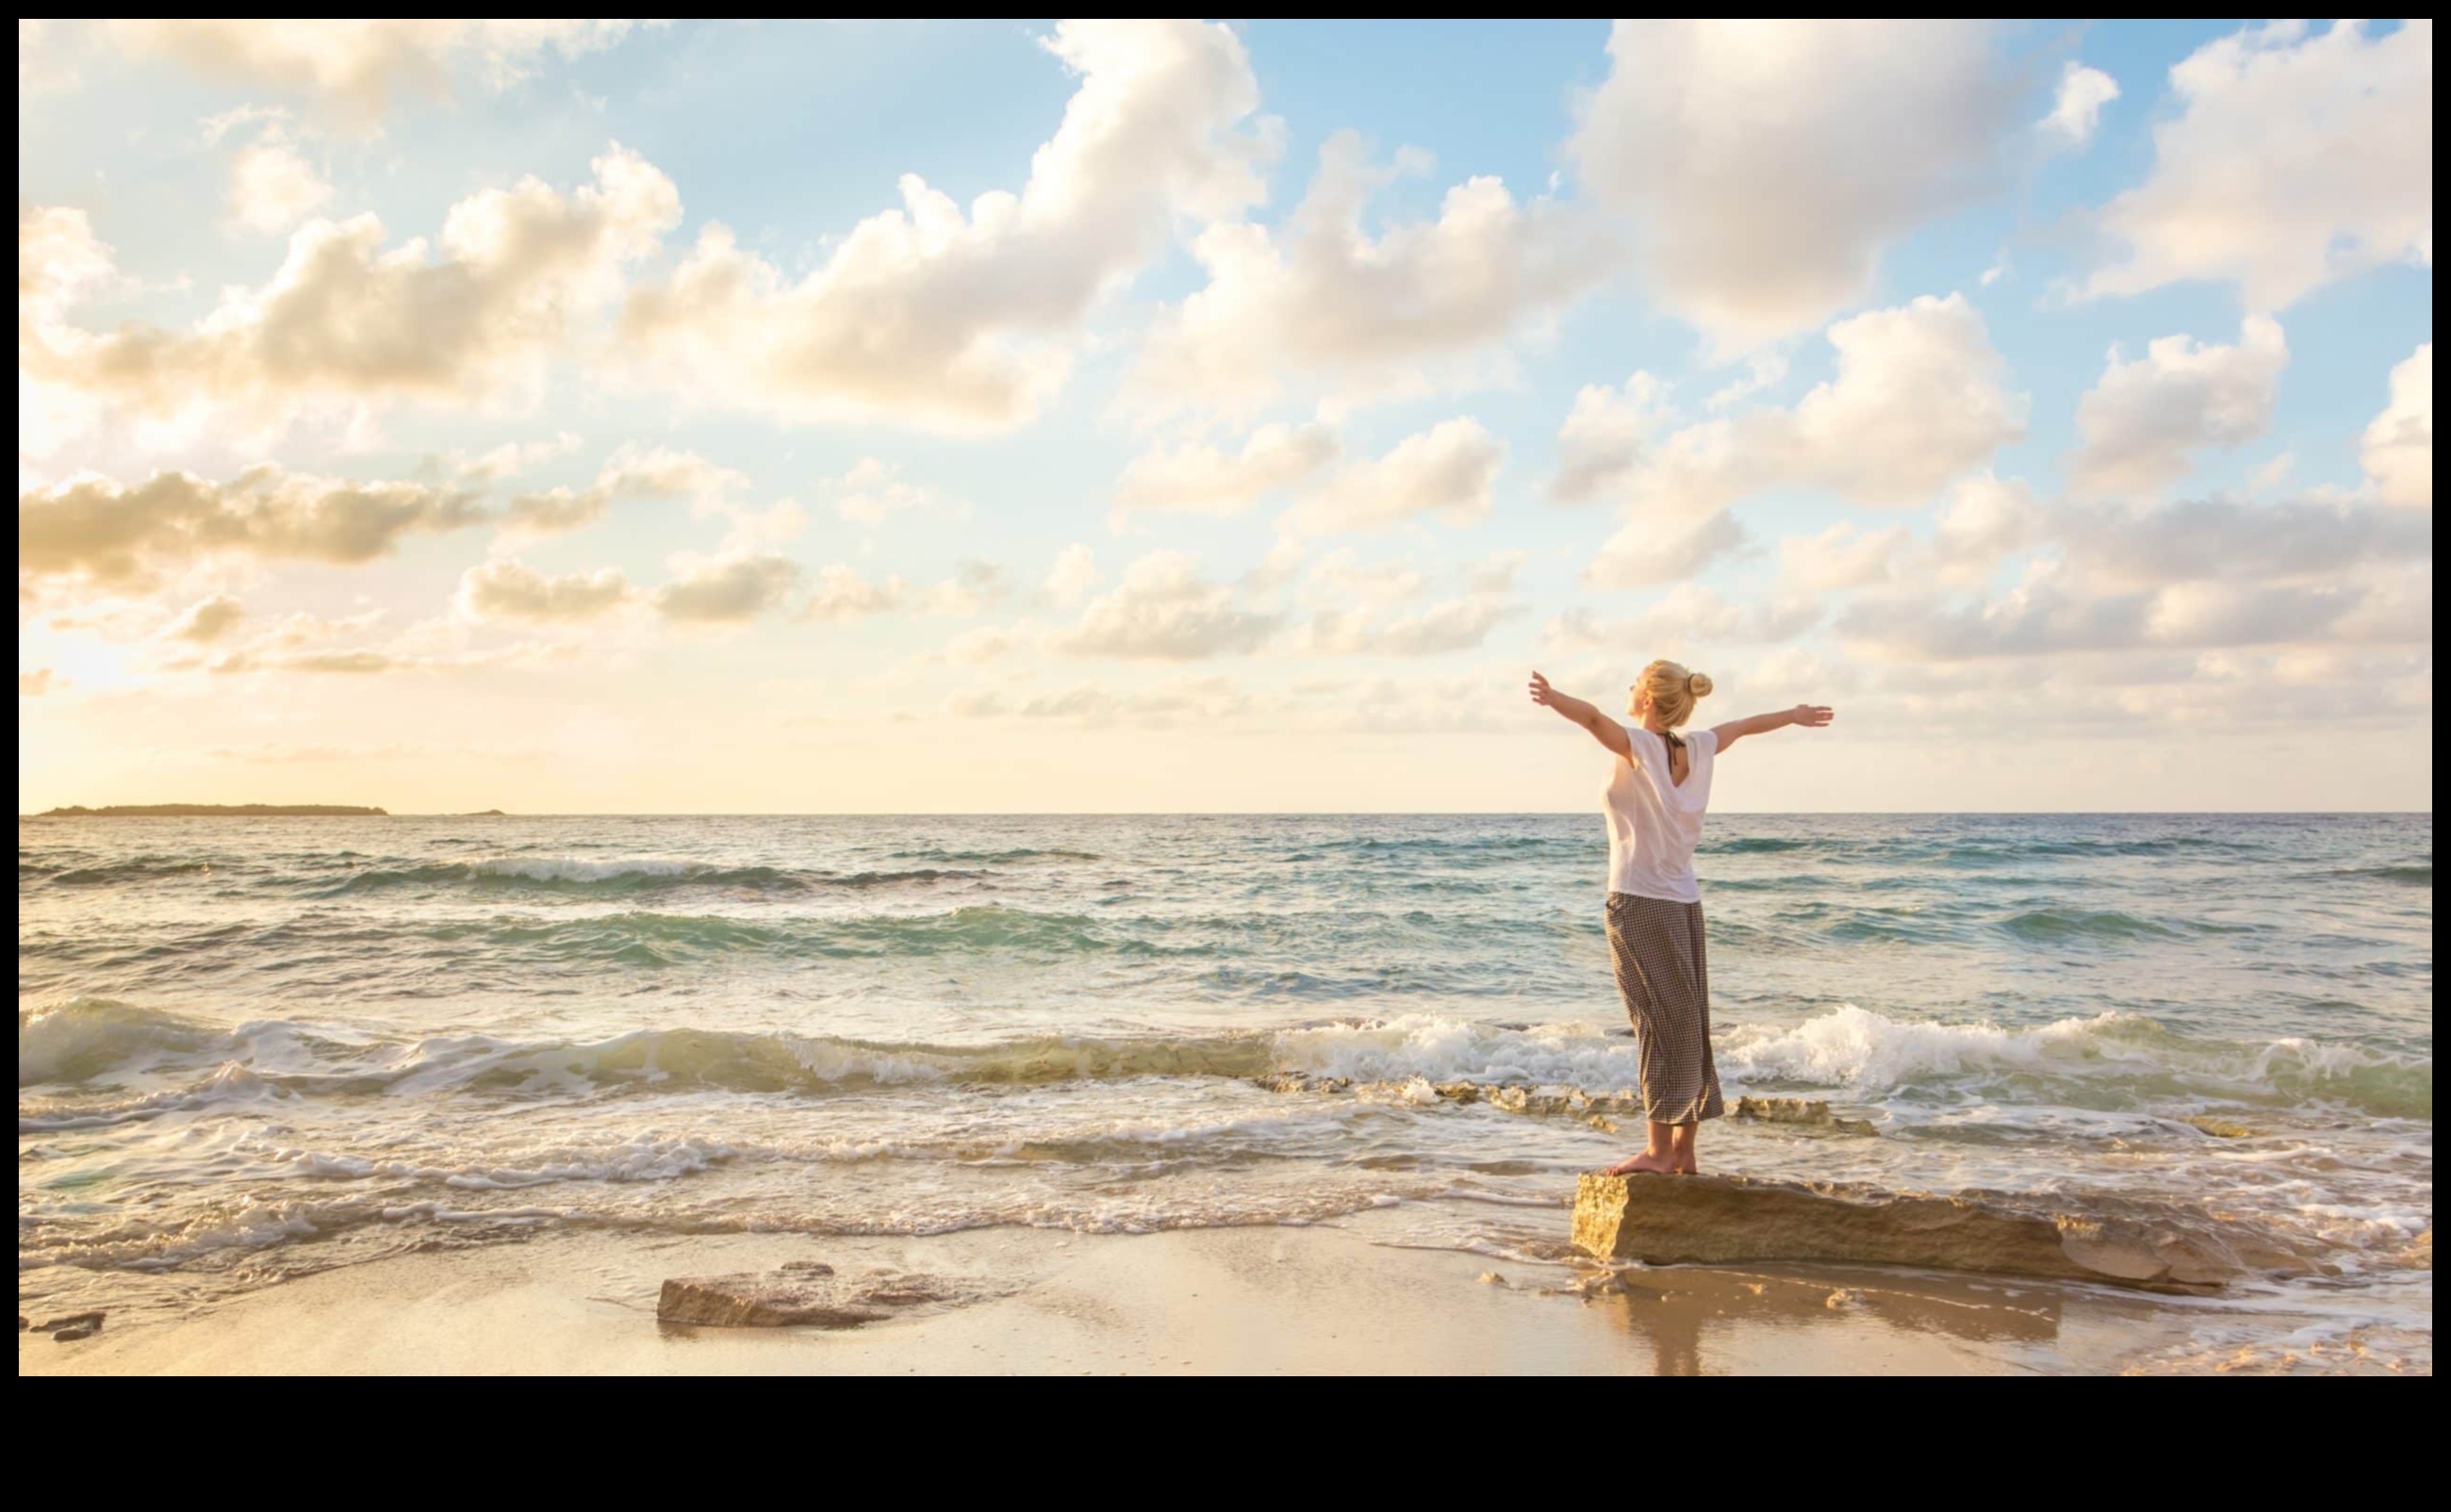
point(215, 810)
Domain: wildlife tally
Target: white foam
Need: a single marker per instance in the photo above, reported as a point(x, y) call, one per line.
point(1447, 1049)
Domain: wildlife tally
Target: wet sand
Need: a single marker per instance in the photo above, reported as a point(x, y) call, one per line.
point(1251, 1300)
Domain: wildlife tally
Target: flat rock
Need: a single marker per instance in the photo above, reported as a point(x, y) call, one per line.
point(1802, 1113)
point(803, 1294)
point(1707, 1220)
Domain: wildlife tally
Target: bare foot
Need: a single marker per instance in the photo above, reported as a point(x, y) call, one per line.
point(1685, 1167)
point(1650, 1162)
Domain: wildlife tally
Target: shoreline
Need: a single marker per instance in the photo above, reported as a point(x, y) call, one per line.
point(1330, 1299)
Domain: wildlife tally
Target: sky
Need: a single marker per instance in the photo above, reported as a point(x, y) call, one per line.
point(604, 416)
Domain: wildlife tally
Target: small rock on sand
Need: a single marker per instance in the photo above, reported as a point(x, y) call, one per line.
point(70, 1327)
point(802, 1293)
point(1491, 1278)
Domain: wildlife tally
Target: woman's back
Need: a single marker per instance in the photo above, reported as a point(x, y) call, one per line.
point(1655, 821)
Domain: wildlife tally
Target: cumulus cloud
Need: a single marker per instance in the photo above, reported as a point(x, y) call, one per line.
point(843, 594)
point(114, 534)
point(1322, 295)
point(2296, 158)
point(1201, 479)
point(1771, 163)
point(632, 472)
point(1456, 624)
point(2049, 617)
point(974, 585)
point(978, 647)
point(1844, 556)
point(273, 185)
point(1604, 435)
point(1338, 581)
point(1074, 574)
point(357, 67)
point(731, 589)
point(347, 321)
point(42, 679)
point(2139, 424)
point(1920, 397)
point(873, 491)
point(1687, 615)
point(1985, 519)
point(2398, 449)
point(968, 322)
point(1163, 610)
point(1663, 549)
point(514, 591)
point(1445, 472)
point(207, 620)
point(2076, 109)
point(2229, 540)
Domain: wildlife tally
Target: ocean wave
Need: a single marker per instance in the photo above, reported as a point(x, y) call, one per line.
point(613, 875)
point(1871, 1055)
point(1005, 858)
point(2408, 873)
point(2047, 926)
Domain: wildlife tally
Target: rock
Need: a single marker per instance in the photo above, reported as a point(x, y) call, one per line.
point(1491, 1278)
point(24, 1322)
point(813, 1298)
point(1842, 1299)
point(1709, 1220)
point(1801, 1112)
point(2221, 1128)
point(82, 1330)
point(89, 1322)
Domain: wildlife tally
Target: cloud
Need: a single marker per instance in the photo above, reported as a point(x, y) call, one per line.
point(1604, 436)
point(1456, 624)
point(207, 620)
point(2076, 110)
point(873, 490)
point(346, 321)
point(273, 186)
point(2049, 619)
point(1763, 370)
point(2228, 540)
point(1657, 549)
point(978, 647)
point(1322, 295)
point(1920, 397)
point(356, 68)
point(1770, 163)
point(968, 322)
point(843, 594)
point(514, 591)
point(1163, 610)
point(2289, 165)
point(730, 590)
point(2398, 449)
point(1338, 581)
point(1203, 480)
point(1844, 556)
point(2138, 425)
point(974, 585)
point(115, 534)
point(1445, 472)
point(632, 472)
point(1688, 615)
point(1074, 574)
point(39, 681)
point(1986, 518)
point(1202, 698)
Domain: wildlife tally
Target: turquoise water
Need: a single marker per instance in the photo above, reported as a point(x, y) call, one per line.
point(251, 1048)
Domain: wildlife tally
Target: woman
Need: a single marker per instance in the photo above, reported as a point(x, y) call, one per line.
point(1657, 790)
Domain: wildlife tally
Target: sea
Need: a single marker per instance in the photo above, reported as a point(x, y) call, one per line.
point(252, 1049)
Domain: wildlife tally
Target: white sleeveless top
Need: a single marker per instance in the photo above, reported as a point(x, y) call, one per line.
point(1654, 824)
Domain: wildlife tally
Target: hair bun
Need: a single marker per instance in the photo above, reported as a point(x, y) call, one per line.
point(1698, 684)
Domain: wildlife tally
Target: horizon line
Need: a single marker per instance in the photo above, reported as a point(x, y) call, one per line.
point(1237, 813)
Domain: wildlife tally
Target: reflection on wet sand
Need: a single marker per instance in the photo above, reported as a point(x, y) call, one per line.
point(1684, 1313)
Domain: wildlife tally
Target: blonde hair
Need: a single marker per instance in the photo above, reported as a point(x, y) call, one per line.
point(1673, 691)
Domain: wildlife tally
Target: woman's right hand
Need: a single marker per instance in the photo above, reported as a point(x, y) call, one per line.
point(1811, 715)
point(1541, 693)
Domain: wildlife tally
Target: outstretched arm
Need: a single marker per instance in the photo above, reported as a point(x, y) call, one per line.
point(1806, 715)
point(1606, 730)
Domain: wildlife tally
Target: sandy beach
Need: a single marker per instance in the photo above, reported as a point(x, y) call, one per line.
point(1239, 1301)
